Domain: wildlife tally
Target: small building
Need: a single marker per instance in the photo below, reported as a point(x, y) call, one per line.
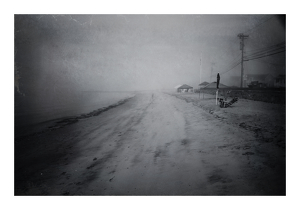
point(203, 84)
point(280, 81)
point(261, 80)
point(256, 84)
point(214, 85)
point(184, 88)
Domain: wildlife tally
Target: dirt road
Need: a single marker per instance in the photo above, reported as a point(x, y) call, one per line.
point(154, 144)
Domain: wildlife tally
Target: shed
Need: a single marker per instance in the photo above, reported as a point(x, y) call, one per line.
point(214, 85)
point(280, 81)
point(265, 79)
point(184, 88)
point(203, 84)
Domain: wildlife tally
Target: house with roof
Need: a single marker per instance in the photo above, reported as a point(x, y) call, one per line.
point(259, 80)
point(184, 88)
point(203, 84)
point(280, 81)
point(214, 85)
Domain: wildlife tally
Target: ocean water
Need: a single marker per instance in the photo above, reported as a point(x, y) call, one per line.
point(31, 113)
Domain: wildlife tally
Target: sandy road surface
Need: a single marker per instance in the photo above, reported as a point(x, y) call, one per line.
point(154, 144)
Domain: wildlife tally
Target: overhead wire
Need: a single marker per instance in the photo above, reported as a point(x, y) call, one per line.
point(264, 54)
point(267, 51)
point(230, 68)
point(249, 59)
point(236, 61)
point(275, 64)
point(257, 53)
point(233, 62)
point(259, 25)
point(265, 48)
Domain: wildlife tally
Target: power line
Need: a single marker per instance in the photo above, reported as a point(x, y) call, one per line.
point(265, 55)
point(238, 55)
point(265, 48)
point(237, 58)
point(258, 25)
point(230, 68)
point(254, 58)
point(234, 62)
point(266, 51)
point(256, 53)
point(275, 64)
point(242, 37)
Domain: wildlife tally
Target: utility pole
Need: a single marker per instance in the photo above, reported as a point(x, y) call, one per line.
point(200, 68)
point(211, 71)
point(242, 37)
point(200, 73)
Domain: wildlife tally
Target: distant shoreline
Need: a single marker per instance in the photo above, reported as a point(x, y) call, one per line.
point(50, 124)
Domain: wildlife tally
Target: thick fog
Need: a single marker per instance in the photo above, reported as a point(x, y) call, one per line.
point(133, 52)
point(57, 56)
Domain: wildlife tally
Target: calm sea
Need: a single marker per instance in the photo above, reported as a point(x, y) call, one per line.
point(30, 112)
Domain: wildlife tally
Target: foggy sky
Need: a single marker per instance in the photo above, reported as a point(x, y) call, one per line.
point(57, 54)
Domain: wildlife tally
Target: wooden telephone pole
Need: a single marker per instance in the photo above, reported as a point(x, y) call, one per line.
point(211, 70)
point(242, 37)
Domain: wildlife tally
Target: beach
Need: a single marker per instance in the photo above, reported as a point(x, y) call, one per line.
point(158, 143)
